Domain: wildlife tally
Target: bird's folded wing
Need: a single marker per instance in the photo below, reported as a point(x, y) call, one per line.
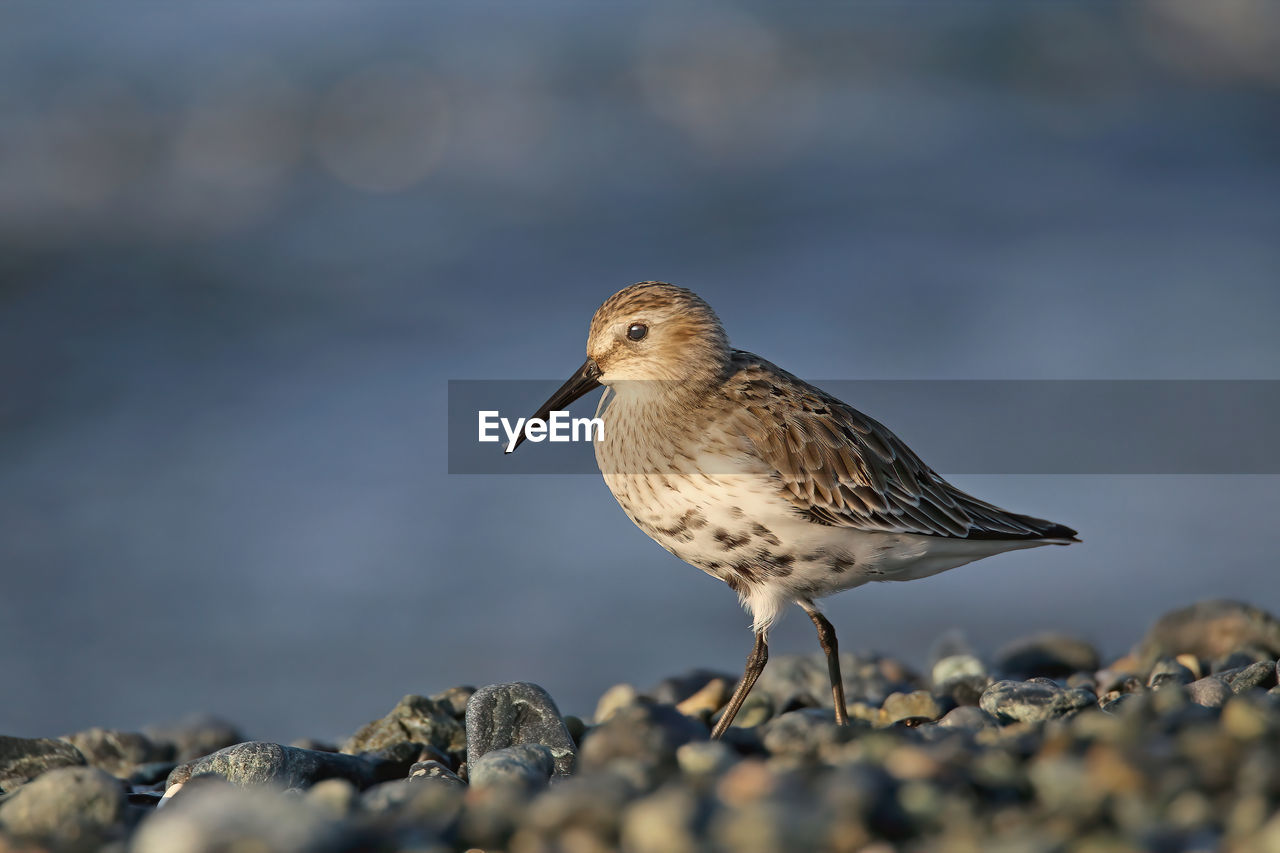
point(842, 468)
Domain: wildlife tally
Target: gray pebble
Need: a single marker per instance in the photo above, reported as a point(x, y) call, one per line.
point(1033, 701)
point(503, 715)
point(1167, 671)
point(968, 718)
point(528, 766)
point(76, 808)
point(1210, 691)
point(23, 759)
point(220, 818)
point(414, 719)
point(434, 770)
point(259, 762)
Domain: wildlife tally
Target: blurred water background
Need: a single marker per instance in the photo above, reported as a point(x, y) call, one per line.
point(244, 246)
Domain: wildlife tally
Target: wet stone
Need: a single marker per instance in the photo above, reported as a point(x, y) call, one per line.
point(259, 763)
point(23, 759)
point(503, 715)
point(1033, 701)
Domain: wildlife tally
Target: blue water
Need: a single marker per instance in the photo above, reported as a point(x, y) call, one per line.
point(242, 251)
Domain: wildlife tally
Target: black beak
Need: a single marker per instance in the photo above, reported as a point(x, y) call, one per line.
point(585, 379)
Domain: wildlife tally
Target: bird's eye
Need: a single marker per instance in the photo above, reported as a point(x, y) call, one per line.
point(637, 331)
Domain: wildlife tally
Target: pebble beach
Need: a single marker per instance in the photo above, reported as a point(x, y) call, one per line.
point(1043, 746)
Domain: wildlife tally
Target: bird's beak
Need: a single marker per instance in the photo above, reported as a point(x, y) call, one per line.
point(585, 379)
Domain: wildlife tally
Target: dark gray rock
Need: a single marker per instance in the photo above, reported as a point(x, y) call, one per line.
point(1210, 691)
point(1211, 630)
point(1033, 701)
point(220, 818)
point(528, 767)
point(1260, 675)
point(503, 715)
point(432, 771)
point(195, 736)
point(119, 753)
point(415, 719)
point(73, 808)
point(260, 763)
point(1166, 672)
point(23, 759)
point(1046, 656)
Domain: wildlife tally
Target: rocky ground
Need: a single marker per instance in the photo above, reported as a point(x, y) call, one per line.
point(1174, 747)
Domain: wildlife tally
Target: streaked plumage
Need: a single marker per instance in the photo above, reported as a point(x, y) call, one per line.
point(751, 474)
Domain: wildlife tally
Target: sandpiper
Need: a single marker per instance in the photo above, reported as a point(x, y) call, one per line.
point(760, 479)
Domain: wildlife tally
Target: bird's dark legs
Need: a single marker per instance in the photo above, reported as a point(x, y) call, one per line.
point(827, 639)
point(755, 665)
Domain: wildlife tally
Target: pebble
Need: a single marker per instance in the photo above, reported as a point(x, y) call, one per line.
point(612, 700)
point(1210, 691)
point(195, 736)
point(222, 818)
point(918, 704)
point(1033, 701)
point(1211, 630)
point(802, 681)
point(416, 720)
point(1046, 656)
point(260, 763)
point(528, 766)
point(433, 771)
point(1260, 675)
point(646, 733)
point(1166, 671)
point(72, 808)
point(503, 715)
point(709, 699)
point(23, 759)
point(119, 753)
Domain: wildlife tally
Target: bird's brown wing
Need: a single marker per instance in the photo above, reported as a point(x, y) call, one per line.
point(842, 468)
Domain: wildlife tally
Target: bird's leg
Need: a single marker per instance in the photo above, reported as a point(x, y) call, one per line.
point(755, 665)
point(827, 639)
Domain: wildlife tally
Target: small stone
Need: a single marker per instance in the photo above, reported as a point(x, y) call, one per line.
point(645, 733)
point(663, 822)
point(74, 808)
point(23, 759)
point(968, 718)
point(917, 704)
point(119, 753)
point(195, 736)
point(803, 681)
point(1210, 630)
point(1033, 701)
point(414, 719)
point(616, 697)
point(528, 767)
point(217, 818)
point(1257, 675)
point(1047, 656)
point(1167, 671)
point(674, 690)
point(454, 700)
point(1192, 663)
point(1210, 691)
point(259, 762)
point(334, 797)
point(1244, 718)
point(503, 715)
point(711, 698)
point(425, 770)
point(704, 758)
point(955, 668)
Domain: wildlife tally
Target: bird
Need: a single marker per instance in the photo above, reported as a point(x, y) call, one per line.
point(775, 487)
